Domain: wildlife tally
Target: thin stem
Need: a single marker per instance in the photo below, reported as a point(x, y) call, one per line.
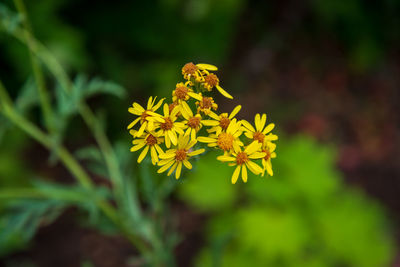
point(69, 162)
point(37, 70)
point(87, 114)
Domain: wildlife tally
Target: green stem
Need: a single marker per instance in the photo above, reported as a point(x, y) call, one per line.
point(69, 162)
point(37, 70)
point(58, 72)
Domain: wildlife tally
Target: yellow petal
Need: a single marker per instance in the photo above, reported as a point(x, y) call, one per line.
point(257, 121)
point(143, 154)
point(235, 174)
point(223, 92)
point(167, 155)
point(187, 164)
point(173, 137)
point(196, 152)
point(235, 111)
point(263, 121)
point(210, 122)
point(195, 96)
point(178, 170)
point(257, 155)
point(269, 128)
point(253, 147)
point(244, 173)
point(166, 110)
point(204, 139)
point(150, 102)
point(204, 66)
point(248, 126)
point(137, 147)
point(254, 168)
point(172, 168)
point(133, 123)
point(154, 157)
point(226, 158)
point(165, 167)
point(158, 104)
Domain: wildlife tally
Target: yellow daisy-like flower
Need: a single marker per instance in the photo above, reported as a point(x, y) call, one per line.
point(259, 133)
point(269, 149)
point(150, 141)
point(190, 70)
point(243, 161)
point(211, 80)
point(173, 159)
point(223, 120)
point(147, 117)
point(182, 93)
point(170, 127)
point(194, 122)
point(205, 104)
point(227, 141)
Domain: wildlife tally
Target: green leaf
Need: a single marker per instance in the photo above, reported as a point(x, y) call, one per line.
point(28, 96)
point(209, 173)
point(95, 160)
point(88, 88)
point(9, 20)
point(21, 219)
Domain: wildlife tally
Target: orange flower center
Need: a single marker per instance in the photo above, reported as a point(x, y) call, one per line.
point(225, 141)
point(268, 154)
point(144, 116)
point(189, 68)
point(207, 102)
point(224, 123)
point(181, 92)
point(259, 137)
point(167, 125)
point(180, 154)
point(211, 80)
point(241, 158)
point(194, 122)
point(151, 140)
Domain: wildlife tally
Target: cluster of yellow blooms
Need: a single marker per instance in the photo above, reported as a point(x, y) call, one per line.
point(190, 118)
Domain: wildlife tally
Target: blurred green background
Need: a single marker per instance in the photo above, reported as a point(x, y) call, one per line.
point(325, 72)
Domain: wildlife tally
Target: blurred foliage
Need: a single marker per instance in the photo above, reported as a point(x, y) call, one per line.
point(302, 216)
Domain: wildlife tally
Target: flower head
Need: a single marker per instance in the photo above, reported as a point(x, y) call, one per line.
point(224, 119)
point(194, 122)
point(170, 126)
point(205, 104)
point(243, 160)
point(147, 117)
point(269, 149)
point(228, 140)
point(173, 159)
point(259, 133)
point(148, 141)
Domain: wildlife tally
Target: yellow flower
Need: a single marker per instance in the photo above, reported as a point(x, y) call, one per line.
point(259, 133)
point(243, 160)
point(205, 104)
point(211, 80)
point(148, 141)
point(223, 120)
point(182, 93)
point(269, 149)
point(174, 158)
point(147, 117)
point(170, 127)
point(194, 122)
point(190, 70)
point(226, 141)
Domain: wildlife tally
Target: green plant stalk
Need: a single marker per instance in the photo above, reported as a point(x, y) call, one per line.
point(37, 70)
point(58, 72)
point(68, 160)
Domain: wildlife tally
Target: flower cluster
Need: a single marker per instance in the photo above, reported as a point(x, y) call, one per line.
point(177, 131)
